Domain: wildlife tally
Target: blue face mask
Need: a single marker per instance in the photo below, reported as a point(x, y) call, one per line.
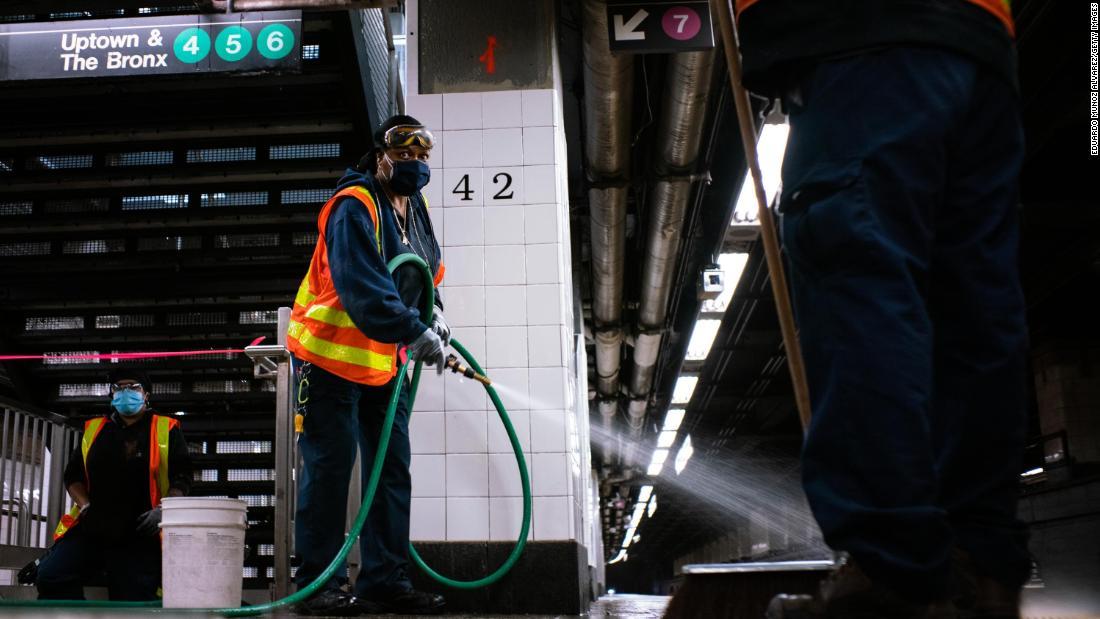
point(409, 177)
point(128, 402)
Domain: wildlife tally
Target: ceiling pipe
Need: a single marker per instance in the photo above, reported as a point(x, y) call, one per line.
point(608, 88)
point(679, 137)
point(283, 5)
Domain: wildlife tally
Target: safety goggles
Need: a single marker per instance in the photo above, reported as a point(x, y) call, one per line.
point(403, 136)
point(116, 387)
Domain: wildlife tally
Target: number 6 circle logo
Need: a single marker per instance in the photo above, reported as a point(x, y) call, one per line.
point(275, 41)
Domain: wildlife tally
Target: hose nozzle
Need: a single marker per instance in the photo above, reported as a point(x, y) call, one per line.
point(456, 366)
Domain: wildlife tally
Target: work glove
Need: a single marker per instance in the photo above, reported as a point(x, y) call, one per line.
point(439, 325)
point(427, 347)
point(149, 523)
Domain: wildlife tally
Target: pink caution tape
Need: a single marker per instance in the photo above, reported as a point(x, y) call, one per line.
point(131, 355)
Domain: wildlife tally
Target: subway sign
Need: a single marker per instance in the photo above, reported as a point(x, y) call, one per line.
point(162, 45)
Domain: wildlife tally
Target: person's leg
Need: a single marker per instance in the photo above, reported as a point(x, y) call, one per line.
point(864, 172)
point(327, 446)
point(69, 564)
point(981, 336)
point(133, 569)
point(384, 541)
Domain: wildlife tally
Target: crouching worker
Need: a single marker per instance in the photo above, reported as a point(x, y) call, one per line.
point(125, 463)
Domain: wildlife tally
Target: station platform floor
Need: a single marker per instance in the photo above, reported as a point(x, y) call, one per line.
point(624, 606)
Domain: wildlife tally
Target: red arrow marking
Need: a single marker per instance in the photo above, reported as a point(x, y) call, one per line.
point(489, 57)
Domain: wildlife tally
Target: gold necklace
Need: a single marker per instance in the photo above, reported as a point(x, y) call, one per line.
point(397, 220)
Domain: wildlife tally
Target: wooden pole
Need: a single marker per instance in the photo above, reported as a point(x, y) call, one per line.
point(725, 15)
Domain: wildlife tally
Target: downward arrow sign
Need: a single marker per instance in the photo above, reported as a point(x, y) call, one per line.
point(626, 32)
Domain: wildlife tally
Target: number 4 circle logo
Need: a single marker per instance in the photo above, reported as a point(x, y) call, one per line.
point(191, 45)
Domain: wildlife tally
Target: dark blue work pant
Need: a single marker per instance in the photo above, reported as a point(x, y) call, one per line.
point(339, 417)
point(131, 565)
point(900, 222)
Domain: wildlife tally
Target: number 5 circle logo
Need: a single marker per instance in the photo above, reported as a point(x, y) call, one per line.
point(191, 45)
point(275, 41)
point(233, 43)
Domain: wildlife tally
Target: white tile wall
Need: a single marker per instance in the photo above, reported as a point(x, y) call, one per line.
point(538, 145)
point(473, 338)
point(467, 474)
point(553, 518)
point(429, 475)
point(505, 519)
point(465, 265)
point(504, 224)
point(502, 109)
point(543, 264)
point(547, 388)
point(504, 477)
point(428, 109)
point(544, 305)
point(465, 305)
point(436, 160)
point(467, 519)
point(465, 395)
point(462, 111)
point(462, 149)
point(541, 223)
point(433, 193)
point(507, 347)
point(540, 184)
point(462, 186)
point(548, 431)
point(511, 387)
point(463, 226)
point(505, 305)
point(504, 185)
point(539, 108)
point(544, 346)
point(550, 474)
point(436, 215)
point(467, 432)
point(429, 393)
point(427, 431)
point(504, 147)
point(498, 435)
point(504, 265)
point(428, 519)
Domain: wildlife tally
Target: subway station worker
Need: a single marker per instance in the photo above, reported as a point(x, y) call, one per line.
point(900, 220)
point(350, 324)
point(125, 463)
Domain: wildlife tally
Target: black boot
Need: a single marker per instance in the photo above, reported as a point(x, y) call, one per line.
point(330, 603)
point(411, 602)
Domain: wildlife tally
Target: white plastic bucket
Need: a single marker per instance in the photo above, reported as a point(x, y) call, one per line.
point(203, 544)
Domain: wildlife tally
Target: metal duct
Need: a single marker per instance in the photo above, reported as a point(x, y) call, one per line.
point(608, 88)
point(636, 415)
point(679, 137)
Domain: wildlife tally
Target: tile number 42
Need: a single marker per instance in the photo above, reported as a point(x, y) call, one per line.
point(501, 180)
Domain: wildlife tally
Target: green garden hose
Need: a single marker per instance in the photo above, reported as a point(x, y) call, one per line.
point(372, 485)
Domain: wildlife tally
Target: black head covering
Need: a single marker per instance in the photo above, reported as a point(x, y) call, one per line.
point(368, 163)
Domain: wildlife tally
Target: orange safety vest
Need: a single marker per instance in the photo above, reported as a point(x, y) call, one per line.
point(1001, 9)
point(320, 331)
point(158, 464)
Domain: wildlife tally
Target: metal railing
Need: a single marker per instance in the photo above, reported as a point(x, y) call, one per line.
point(34, 448)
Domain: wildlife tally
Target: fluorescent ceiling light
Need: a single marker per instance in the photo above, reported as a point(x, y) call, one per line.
point(702, 338)
point(685, 386)
point(733, 266)
point(1032, 472)
point(618, 557)
point(652, 506)
point(659, 456)
point(655, 469)
point(673, 418)
point(645, 493)
point(770, 148)
point(684, 455)
point(666, 439)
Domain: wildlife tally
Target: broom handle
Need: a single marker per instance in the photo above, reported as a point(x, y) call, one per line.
point(767, 221)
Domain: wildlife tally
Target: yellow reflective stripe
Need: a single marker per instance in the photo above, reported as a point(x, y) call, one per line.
point(330, 316)
point(339, 352)
point(304, 296)
point(90, 432)
point(372, 208)
point(162, 429)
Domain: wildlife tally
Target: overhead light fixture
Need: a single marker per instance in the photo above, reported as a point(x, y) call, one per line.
point(733, 266)
point(658, 461)
point(1032, 472)
point(666, 439)
point(685, 386)
point(652, 506)
point(683, 455)
point(770, 149)
point(645, 493)
point(702, 338)
point(618, 557)
point(673, 418)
